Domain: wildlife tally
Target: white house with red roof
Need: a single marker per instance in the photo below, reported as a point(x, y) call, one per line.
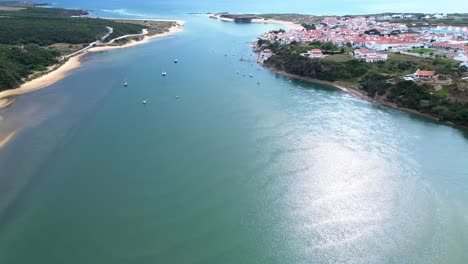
point(370, 55)
point(398, 43)
point(314, 53)
point(424, 74)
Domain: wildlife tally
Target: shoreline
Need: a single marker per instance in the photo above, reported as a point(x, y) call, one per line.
point(360, 94)
point(290, 25)
point(61, 71)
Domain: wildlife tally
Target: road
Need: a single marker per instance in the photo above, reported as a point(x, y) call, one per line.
point(145, 32)
point(95, 43)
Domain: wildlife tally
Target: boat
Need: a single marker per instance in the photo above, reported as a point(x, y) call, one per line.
point(144, 102)
point(176, 61)
point(125, 84)
point(164, 73)
point(177, 97)
point(251, 75)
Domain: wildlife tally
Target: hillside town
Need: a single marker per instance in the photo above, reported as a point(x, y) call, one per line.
point(374, 37)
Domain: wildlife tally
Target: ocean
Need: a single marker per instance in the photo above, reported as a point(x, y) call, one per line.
point(219, 167)
point(148, 8)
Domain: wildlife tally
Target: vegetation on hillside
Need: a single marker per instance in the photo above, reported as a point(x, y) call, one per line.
point(48, 30)
point(448, 104)
point(381, 80)
point(154, 27)
point(33, 38)
point(17, 63)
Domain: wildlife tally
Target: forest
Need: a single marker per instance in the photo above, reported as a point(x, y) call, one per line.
point(28, 31)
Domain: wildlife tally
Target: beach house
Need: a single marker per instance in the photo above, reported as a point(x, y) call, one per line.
point(424, 74)
point(315, 53)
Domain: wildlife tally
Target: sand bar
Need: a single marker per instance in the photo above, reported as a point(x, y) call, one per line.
point(288, 24)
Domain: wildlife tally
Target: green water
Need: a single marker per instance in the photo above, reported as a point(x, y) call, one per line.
point(231, 171)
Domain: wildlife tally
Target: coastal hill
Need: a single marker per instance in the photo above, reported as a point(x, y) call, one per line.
point(35, 38)
point(445, 98)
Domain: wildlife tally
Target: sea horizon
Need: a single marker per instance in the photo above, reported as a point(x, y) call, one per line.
point(148, 9)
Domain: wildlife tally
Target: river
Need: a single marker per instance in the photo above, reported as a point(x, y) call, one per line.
point(219, 167)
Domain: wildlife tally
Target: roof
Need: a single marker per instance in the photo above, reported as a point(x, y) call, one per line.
point(425, 73)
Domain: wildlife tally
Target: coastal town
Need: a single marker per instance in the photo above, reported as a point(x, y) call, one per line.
point(375, 36)
point(407, 63)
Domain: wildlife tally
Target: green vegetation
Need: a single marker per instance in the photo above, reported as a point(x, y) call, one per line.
point(425, 22)
point(381, 80)
point(423, 51)
point(287, 58)
point(308, 26)
point(66, 48)
point(48, 30)
point(17, 63)
point(448, 104)
point(33, 38)
point(296, 18)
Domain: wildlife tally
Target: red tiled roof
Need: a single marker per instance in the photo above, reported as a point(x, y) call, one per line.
point(425, 73)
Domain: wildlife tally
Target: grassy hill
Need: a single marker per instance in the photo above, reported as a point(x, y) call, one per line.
point(33, 38)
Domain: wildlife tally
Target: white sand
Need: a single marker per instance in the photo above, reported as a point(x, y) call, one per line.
point(74, 62)
point(288, 24)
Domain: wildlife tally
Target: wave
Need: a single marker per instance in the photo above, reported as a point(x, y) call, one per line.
point(124, 12)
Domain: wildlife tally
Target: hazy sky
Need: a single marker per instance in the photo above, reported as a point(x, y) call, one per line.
point(370, 6)
point(460, 6)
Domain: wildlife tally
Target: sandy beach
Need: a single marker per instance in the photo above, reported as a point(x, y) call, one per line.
point(61, 71)
point(172, 31)
point(290, 25)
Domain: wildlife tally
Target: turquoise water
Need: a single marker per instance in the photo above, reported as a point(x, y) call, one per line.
point(229, 172)
point(148, 8)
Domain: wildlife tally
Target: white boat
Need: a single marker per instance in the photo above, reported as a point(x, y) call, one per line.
point(144, 101)
point(126, 84)
point(176, 61)
point(164, 73)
